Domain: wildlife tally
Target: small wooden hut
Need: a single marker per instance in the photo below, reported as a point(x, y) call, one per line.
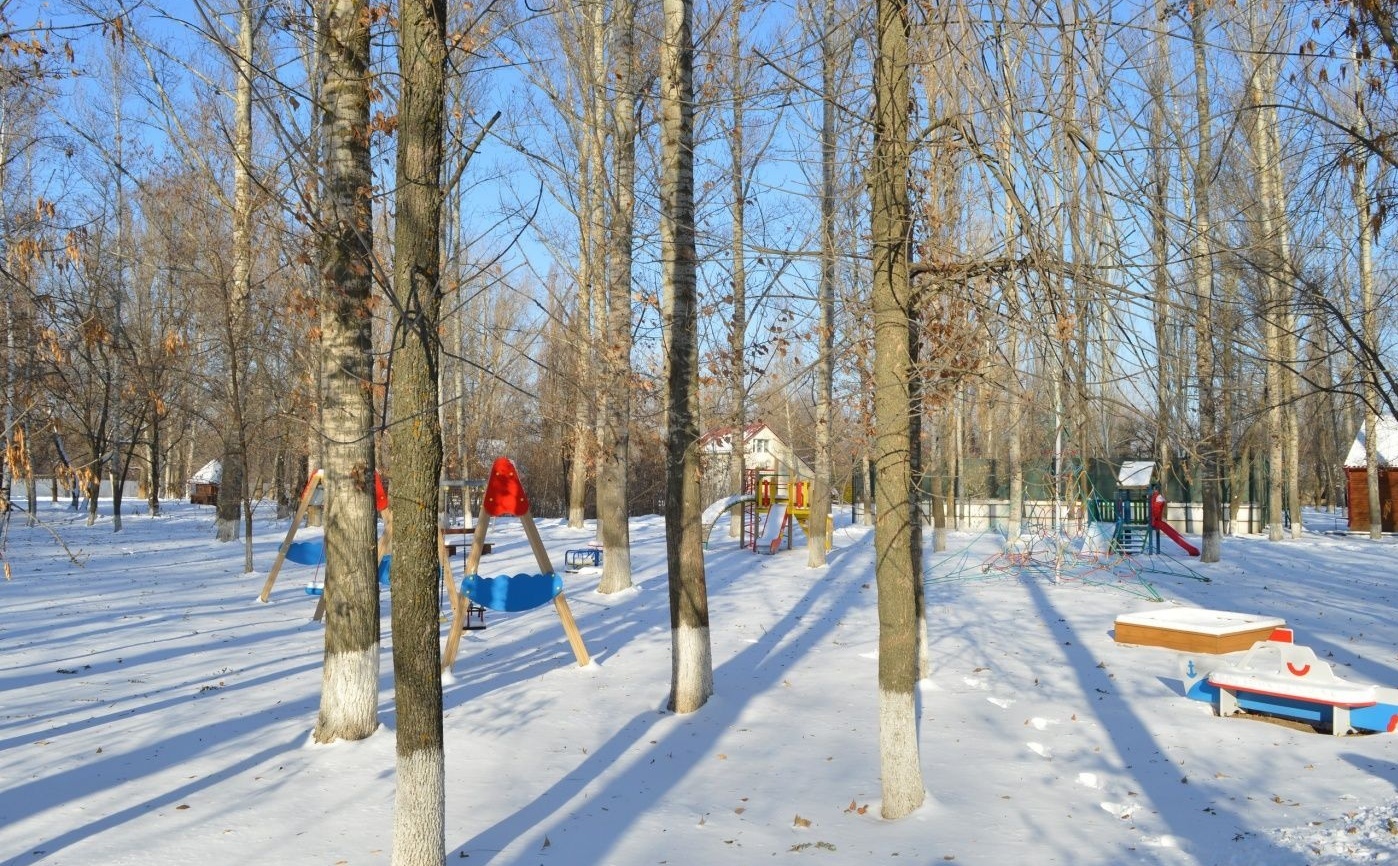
point(1357, 482)
point(203, 485)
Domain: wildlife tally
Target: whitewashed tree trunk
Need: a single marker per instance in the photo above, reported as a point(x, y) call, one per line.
point(897, 553)
point(350, 680)
point(415, 438)
point(692, 678)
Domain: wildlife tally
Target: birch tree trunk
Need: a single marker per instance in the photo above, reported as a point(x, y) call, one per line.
point(692, 678)
point(895, 531)
point(350, 682)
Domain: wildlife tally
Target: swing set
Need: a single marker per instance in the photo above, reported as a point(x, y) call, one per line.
point(311, 551)
point(504, 497)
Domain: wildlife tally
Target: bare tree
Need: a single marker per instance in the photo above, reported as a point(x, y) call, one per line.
point(415, 437)
point(738, 179)
point(615, 373)
point(1365, 220)
point(817, 523)
point(692, 678)
point(897, 552)
point(1202, 264)
point(233, 492)
point(349, 694)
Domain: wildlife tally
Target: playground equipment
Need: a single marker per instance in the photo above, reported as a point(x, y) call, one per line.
point(312, 551)
point(777, 524)
point(1197, 630)
point(582, 557)
point(1137, 517)
point(717, 509)
point(309, 552)
point(773, 504)
point(1279, 678)
point(1157, 522)
point(1059, 556)
point(505, 496)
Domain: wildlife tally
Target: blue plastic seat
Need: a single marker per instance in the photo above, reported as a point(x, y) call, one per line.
point(512, 592)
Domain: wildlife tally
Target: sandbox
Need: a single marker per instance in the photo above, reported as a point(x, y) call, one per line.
point(1195, 630)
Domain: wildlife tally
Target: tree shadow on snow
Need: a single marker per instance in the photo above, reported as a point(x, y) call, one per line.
point(655, 763)
point(1152, 769)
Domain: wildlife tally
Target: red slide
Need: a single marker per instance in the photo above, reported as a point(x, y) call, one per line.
point(1157, 521)
point(1176, 537)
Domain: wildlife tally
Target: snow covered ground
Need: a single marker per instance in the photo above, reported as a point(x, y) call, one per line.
point(152, 712)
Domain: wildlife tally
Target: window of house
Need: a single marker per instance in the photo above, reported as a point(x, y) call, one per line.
point(759, 446)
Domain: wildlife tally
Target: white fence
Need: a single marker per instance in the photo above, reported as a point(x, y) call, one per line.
point(977, 515)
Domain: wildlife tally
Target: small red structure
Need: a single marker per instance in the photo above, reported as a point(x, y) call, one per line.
point(1357, 478)
point(1158, 522)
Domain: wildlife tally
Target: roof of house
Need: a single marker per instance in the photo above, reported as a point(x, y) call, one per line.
point(723, 436)
point(209, 473)
point(1387, 440)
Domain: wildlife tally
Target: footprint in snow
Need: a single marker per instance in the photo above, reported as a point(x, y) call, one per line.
point(1041, 724)
point(1163, 841)
point(1040, 749)
point(974, 682)
point(1089, 780)
point(1002, 703)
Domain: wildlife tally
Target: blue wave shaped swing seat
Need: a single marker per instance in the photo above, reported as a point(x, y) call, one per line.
point(311, 551)
point(512, 592)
